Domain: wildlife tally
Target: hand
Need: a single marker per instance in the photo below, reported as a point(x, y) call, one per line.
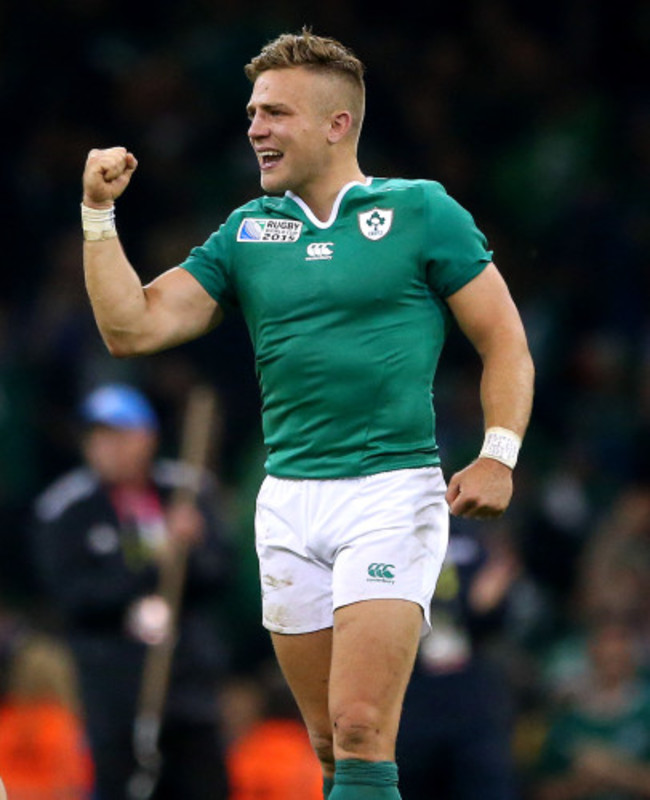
point(106, 176)
point(480, 491)
point(185, 528)
point(185, 524)
point(148, 620)
point(493, 581)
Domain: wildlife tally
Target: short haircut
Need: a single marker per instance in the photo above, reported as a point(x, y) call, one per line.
point(317, 53)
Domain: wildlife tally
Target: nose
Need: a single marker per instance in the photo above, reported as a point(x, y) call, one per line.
point(257, 128)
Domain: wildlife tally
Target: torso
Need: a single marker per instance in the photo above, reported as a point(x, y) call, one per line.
point(346, 327)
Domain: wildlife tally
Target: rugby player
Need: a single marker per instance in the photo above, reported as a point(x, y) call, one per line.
point(348, 285)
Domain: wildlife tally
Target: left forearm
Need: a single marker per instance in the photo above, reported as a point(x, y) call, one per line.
point(489, 318)
point(487, 315)
point(507, 385)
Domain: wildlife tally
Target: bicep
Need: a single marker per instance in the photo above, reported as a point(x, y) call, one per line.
point(180, 309)
point(485, 310)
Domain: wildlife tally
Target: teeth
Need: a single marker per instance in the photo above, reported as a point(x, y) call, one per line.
point(269, 153)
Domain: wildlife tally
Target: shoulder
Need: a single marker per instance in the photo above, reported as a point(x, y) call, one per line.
point(265, 205)
point(71, 488)
point(435, 208)
point(420, 194)
point(247, 221)
point(417, 188)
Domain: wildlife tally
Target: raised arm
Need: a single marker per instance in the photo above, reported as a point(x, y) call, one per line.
point(133, 319)
point(489, 318)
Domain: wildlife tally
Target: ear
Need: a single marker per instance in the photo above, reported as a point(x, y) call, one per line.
point(340, 124)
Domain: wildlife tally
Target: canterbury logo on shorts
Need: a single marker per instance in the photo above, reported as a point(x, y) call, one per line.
point(381, 572)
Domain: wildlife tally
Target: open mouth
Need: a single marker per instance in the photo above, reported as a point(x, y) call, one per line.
point(269, 158)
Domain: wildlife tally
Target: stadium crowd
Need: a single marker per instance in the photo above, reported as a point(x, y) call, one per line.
point(535, 117)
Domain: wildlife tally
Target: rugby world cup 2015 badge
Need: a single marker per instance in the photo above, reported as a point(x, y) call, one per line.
point(376, 223)
point(269, 230)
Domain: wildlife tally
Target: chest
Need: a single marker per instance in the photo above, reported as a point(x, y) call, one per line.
point(309, 270)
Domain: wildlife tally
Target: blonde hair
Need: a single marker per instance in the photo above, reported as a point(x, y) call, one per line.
point(42, 668)
point(317, 53)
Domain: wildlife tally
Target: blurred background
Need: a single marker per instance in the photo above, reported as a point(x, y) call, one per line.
point(536, 117)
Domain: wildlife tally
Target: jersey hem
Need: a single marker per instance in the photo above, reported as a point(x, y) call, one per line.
point(320, 475)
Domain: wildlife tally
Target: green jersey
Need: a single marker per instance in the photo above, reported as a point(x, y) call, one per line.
point(347, 319)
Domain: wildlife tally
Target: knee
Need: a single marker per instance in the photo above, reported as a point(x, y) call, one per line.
point(358, 729)
point(323, 745)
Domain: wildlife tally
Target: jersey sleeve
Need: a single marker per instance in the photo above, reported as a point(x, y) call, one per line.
point(210, 264)
point(455, 249)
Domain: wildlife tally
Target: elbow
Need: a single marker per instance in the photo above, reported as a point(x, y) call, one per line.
point(121, 347)
point(523, 359)
point(529, 363)
point(117, 351)
point(509, 344)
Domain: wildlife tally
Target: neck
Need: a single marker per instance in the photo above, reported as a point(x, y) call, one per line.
point(321, 197)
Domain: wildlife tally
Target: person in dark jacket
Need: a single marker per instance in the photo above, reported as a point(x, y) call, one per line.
point(458, 711)
point(101, 533)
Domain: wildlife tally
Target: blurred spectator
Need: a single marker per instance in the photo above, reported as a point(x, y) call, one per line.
point(271, 756)
point(43, 751)
point(455, 736)
point(614, 573)
point(100, 534)
point(598, 744)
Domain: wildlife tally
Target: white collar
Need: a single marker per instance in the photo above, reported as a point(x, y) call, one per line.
point(335, 208)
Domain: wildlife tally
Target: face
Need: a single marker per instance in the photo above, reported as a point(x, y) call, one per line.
point(290, 129)
point(120, 455)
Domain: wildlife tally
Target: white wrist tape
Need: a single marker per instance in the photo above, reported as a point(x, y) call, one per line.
point(501, 445)
point(98, 223)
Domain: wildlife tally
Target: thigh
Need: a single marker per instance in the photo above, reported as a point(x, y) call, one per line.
point(374, 647)
point(305, 661)
point(296, 587)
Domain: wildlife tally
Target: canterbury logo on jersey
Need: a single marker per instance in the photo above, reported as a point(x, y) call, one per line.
point(319, 251)
point(279, 231)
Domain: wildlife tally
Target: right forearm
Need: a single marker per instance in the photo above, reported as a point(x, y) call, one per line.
point(116, 294)
point(133, 319)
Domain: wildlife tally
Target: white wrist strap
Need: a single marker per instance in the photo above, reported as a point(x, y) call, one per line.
point(98, 223)
point(501, 445)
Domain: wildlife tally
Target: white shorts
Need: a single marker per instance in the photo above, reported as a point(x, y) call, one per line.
point(323, 544)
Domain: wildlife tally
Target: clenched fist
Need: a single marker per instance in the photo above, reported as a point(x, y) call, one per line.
point(482, 490)
point(106, 176)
